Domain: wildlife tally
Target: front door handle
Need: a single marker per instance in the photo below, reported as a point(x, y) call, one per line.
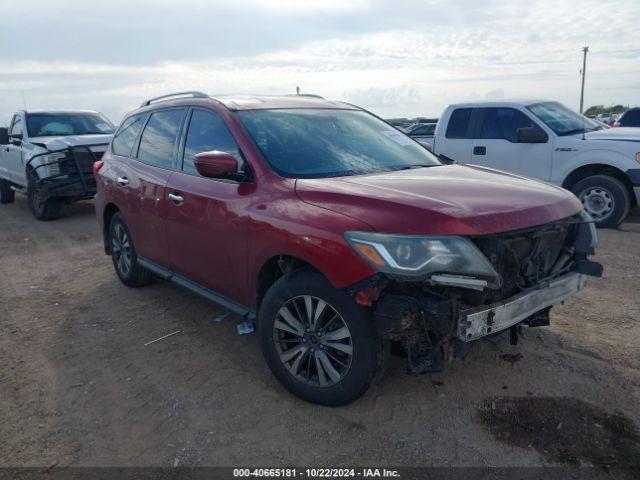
point(479, 150)
point(123, 181)
point(177, 199)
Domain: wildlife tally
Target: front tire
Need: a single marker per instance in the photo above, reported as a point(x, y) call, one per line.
point(605, 198)
point(123, 254)
point(42, 210)
point(6, 194)
point(317, 341)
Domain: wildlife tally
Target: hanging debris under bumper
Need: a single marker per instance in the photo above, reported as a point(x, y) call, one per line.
point(474, 323)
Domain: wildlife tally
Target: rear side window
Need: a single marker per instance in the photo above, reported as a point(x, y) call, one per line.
point(459, 123)
point(126, 135)
point(631, 118)
point(207, 132)
point(503, 123)
point(158, 140)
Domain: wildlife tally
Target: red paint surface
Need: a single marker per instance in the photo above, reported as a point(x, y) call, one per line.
point(224, 233)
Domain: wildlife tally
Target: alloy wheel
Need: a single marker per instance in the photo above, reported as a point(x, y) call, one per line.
point(598, 202)
point(121, 248)
point(313, 341)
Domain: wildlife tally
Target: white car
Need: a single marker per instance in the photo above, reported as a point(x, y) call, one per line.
point(49, 156)
point(547, 141)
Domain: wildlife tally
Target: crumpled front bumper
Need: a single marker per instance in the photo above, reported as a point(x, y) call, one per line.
point(477, 322)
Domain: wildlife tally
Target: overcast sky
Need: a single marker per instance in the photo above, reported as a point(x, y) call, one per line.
point(396, 58)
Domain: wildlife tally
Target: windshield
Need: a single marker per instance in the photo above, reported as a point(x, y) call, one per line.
point(562, 120)
point(318, 143)
point(63, 124)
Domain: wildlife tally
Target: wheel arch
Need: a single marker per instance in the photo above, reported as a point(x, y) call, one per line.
point(585, 171)
point(110, 209)
point(276, 267)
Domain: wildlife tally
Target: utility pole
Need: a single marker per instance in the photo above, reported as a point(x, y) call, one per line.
point(584, 68)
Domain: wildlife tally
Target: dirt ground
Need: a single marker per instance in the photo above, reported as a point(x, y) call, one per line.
point(78, 387)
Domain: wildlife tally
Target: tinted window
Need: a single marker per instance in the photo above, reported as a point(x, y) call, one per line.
point(503, 123)
point(318, 143)
point(126, 135)
point(158, 139)
point(631, 118)
point(207, 132)
point(16, 128)
point(459, 123)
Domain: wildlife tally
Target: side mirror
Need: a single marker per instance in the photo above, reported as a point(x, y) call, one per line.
point(16, 139)
point(4, 136)
point(531, 135)
point(215, 164)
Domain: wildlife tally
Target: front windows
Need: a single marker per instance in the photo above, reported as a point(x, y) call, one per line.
point(319, 143)
point(502, 123)
point(64, 124)
point(207, 132)
point(562, 120)
point(16, 127)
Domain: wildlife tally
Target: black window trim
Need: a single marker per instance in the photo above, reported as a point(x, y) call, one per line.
point(136, 143)
point(183, 141)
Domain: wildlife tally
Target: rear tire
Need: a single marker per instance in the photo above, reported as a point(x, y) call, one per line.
point(6, 194)
point(123, 254)
point(337, 359)
point(605, 198)
point(45, 211)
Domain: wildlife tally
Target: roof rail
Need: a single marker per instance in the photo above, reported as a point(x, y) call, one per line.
point(192, 94)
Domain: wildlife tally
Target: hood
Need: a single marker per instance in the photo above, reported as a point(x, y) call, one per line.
point(443, 200)
point(623, 133)
point(58, 143)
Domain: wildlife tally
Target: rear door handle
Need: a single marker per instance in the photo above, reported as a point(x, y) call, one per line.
point(479, 150)
point(176, 198)
point(123, 181)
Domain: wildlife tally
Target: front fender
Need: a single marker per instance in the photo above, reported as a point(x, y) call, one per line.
point(563, 167)
point(316, 237)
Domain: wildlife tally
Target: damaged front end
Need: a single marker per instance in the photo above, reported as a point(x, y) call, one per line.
point(66, 173)
point(432, 305)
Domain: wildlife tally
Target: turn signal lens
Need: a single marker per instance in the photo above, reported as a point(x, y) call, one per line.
point(370, 253)
point(638, 157)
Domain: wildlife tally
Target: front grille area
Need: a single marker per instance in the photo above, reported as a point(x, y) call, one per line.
point(84, 157)
point(525, 258)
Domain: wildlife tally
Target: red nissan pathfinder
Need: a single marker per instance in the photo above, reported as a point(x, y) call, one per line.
point(342, 238)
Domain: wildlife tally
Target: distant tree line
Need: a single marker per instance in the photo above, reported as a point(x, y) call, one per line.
point(598, 109)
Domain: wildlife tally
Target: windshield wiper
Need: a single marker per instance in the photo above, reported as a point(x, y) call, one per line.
point(572, 132)
point(412, 167)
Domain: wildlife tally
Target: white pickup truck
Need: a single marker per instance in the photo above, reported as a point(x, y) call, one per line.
point(547, 141)
point(49, 156)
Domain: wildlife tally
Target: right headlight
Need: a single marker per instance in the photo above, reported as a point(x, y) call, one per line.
point(51, 161)
point(422, 256)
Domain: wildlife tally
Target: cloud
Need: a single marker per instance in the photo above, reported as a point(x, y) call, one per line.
point(398, 60)
point(494, 94)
